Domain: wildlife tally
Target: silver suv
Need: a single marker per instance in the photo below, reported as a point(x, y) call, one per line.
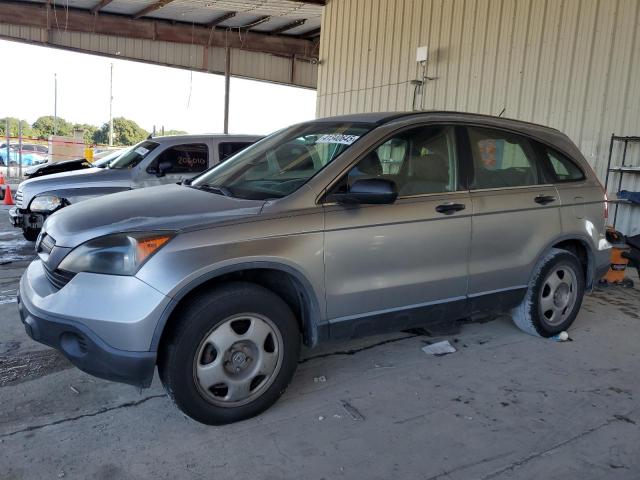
point(335, 228)
point(154, 161)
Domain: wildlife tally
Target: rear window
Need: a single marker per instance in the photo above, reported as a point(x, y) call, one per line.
point(502, 159)
point(564, 169)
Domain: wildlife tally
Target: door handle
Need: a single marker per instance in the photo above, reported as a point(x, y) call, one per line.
point(544, 199)
point(450, 208)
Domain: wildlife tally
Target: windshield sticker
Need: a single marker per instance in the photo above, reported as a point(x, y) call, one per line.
point(338, 138)
point(141, 151)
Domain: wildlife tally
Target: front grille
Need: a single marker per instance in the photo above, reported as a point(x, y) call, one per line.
point(46, 244)
point(18, 198)
point(58, 278)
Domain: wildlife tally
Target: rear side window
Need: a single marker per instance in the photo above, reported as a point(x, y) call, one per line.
point(501, 159)
point(228, 149)
point(192, 158)
point(565, 170)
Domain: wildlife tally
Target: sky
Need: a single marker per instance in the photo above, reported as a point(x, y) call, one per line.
point(148, 94)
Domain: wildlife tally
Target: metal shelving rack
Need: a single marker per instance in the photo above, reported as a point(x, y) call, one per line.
point(621, 169)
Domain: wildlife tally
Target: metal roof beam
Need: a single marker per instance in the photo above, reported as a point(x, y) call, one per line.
point(322, 3)
point(35, 15)
point(220, 19)
point(311, 33)
point(151, 8)
point(101, 4)
point(288, 26)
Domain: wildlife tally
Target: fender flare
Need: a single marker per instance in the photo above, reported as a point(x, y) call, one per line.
point(590, 273)
point(312, 326)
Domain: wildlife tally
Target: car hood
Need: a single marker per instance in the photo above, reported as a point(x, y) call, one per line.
point(166, 207)
point(86, 178)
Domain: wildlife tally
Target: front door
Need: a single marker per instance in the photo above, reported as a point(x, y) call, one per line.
point(173, 164)
point(390, 267)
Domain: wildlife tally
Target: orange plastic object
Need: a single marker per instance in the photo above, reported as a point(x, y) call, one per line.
point(617, 266)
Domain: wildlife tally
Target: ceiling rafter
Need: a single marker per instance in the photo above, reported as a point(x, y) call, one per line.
point(220, 19)
point(100, 5)
point(288, 26)
point(255, 23)
point(151, 8)
point(311, 33)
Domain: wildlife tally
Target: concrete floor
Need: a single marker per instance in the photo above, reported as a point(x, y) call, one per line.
point(505, 405)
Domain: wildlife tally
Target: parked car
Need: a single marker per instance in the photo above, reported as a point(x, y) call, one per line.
point(49, 168)
point(153, 161)
point(330, 229)
point(32, 154)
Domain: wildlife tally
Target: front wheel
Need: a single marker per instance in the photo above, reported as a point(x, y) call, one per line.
point(554, 296)
point(232, 354)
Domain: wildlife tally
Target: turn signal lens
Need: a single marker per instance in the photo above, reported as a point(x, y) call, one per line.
point(146, 247)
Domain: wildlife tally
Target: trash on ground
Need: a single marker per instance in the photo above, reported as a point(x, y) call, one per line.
point(320, 379)
point(561, 337)
point(352, 411)
point(74, 389)
point(439, 348)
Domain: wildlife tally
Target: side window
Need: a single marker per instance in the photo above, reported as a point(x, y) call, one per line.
point(191, 158)
point(501, 159)
point(228, 149)
point(564, 169)
point(420, 161)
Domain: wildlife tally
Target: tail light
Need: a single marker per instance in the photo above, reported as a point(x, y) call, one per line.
point(606, 206)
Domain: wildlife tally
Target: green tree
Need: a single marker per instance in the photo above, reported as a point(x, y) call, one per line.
point(172, 132)
point(13, 128)
point(125, 132)
point(45, 126)
point(88, 131)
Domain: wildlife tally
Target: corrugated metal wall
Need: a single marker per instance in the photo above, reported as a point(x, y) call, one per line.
point(570, 64)
point(258, 66)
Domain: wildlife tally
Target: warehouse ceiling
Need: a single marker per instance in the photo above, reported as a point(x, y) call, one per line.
point(286, 29)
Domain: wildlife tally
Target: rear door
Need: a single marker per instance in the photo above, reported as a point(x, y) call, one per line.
point(388, 267)
point(515, 215)
point(228, 149)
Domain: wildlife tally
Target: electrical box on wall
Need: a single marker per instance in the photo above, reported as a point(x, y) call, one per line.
point(422, 54)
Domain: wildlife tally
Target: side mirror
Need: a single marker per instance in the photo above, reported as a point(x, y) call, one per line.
point(373, 191)
point(164, 167)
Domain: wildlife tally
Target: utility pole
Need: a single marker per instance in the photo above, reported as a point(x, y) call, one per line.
point(6, 163)
point(227, 74)
point(111, 108)
point(55, 103)
point(19, 149)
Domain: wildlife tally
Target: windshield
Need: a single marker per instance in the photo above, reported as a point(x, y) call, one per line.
point(133, 157)
point(281, 163)
point(104, 161)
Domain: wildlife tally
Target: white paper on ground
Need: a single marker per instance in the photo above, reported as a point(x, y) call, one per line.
point(440, 348)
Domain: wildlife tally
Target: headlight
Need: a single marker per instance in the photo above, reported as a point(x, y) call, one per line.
point(45, 203)
point(119, 254)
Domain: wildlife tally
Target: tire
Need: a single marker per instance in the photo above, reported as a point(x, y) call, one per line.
point(211, 364)
point(31, 234)
point(554, 296)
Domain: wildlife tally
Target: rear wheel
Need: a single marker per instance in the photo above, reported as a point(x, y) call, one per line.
point(232, 355)
point(554, 296)
point(31, 234)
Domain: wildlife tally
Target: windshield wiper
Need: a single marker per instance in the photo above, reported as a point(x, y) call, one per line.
point(212, 188)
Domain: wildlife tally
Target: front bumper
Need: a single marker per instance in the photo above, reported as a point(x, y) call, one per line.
point(25, 219)
point(95, 322)
point(15, 217)
point(88, 352)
